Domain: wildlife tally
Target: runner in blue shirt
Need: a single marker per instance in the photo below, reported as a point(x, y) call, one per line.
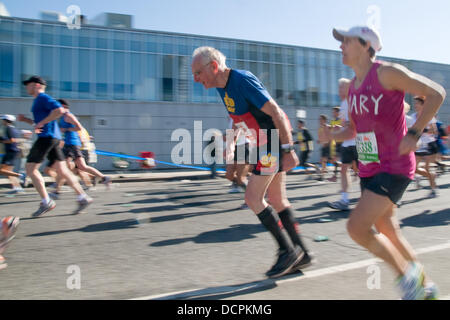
point(45, 112)
point(252, 109)
point(9, 139)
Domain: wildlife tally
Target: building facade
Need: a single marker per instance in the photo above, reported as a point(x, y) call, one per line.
point(132, 88)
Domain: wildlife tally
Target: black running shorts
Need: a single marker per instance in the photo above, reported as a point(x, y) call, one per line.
point(71, 151)
point(349, 154)
point(45, 147)
point(392, 186)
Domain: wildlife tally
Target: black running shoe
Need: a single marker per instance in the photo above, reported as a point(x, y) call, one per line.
point(285, 262)
point(305, 261)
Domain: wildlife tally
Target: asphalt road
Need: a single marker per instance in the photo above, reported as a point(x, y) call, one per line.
point(189, 240)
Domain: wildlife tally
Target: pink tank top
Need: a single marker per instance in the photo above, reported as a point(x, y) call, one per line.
point(380, 123)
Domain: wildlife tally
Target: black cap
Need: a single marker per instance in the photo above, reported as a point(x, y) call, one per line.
point(35, 79)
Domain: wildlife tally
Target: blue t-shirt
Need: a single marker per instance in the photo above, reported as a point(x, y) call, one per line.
point(43, 105)
point(71, 138)
point(11, 133)
point(244, 96)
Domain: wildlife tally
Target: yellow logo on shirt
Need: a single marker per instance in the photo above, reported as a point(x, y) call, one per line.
point(268, 161)
point(229, 103)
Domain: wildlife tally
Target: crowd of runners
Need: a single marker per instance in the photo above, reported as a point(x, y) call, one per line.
point(370, 136)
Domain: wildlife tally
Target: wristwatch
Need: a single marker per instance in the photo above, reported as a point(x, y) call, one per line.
point(414, 133)
point(287, 148)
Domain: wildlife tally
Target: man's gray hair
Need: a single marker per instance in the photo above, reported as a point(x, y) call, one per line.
point(209, 54)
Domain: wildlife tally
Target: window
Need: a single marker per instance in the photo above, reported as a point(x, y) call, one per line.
point(101, 39)
point(135, 43)
point(167, 78)
point(65, 37)
point(119, 75)
point(47, 34)
point(101, 74)
point(84, 38)
point(84, 71)
point(65, 72)
point(46, 65)
point(6, 31)
point(28, 33)
point(119, 41)
point(6, 70)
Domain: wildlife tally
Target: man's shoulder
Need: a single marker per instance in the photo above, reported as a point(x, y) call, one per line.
point(244, 74)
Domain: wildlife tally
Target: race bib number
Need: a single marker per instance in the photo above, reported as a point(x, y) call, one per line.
point(367, 147)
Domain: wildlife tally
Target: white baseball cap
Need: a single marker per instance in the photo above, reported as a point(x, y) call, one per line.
point(364, 32)
point(8, 117)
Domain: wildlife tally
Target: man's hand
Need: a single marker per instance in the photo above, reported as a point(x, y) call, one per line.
point(407, 145)
point(290, 161)
point(38, 128)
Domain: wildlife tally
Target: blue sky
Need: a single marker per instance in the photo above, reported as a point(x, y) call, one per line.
point(413, 29)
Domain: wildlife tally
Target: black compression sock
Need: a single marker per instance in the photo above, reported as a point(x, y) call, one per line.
point(267, 217)
point(287, 218)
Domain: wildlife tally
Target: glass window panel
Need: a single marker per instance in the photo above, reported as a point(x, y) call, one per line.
point(6, 31)
point(279, 80)
point(253, 52)
point(84, 67)
point(290, 55)
point(119, 40)
point(65, 71)
point(225, 47)
point(253, 68)
point(291, 93)
point(265, 77)
point(301, 91)
point(136, 41)
point(167, 79)
point(198, 92)
point(183, 47)
point(300, 57)
point(119, 75)
point(167, 45)
point(6, 70)
point(151, 43)
point(101, 39)
point(184, 76)
point(84, 38)
point(47, 34)
point(266, 53)
point(28, 33)
point(65, 37)
point(240, 51)
point(278, 55)
point(151, 87)
point(323, 88)
point(46, 66)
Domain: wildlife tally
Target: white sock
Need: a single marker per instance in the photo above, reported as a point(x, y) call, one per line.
point(82, 197)
point(345, 197)
point(46, 201)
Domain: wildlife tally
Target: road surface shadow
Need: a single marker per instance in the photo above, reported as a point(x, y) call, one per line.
point(427, 219)
point(228, 291)
point(99, 227)
point(234, 233)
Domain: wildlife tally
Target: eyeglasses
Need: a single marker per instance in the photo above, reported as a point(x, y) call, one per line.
point(197, 73)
